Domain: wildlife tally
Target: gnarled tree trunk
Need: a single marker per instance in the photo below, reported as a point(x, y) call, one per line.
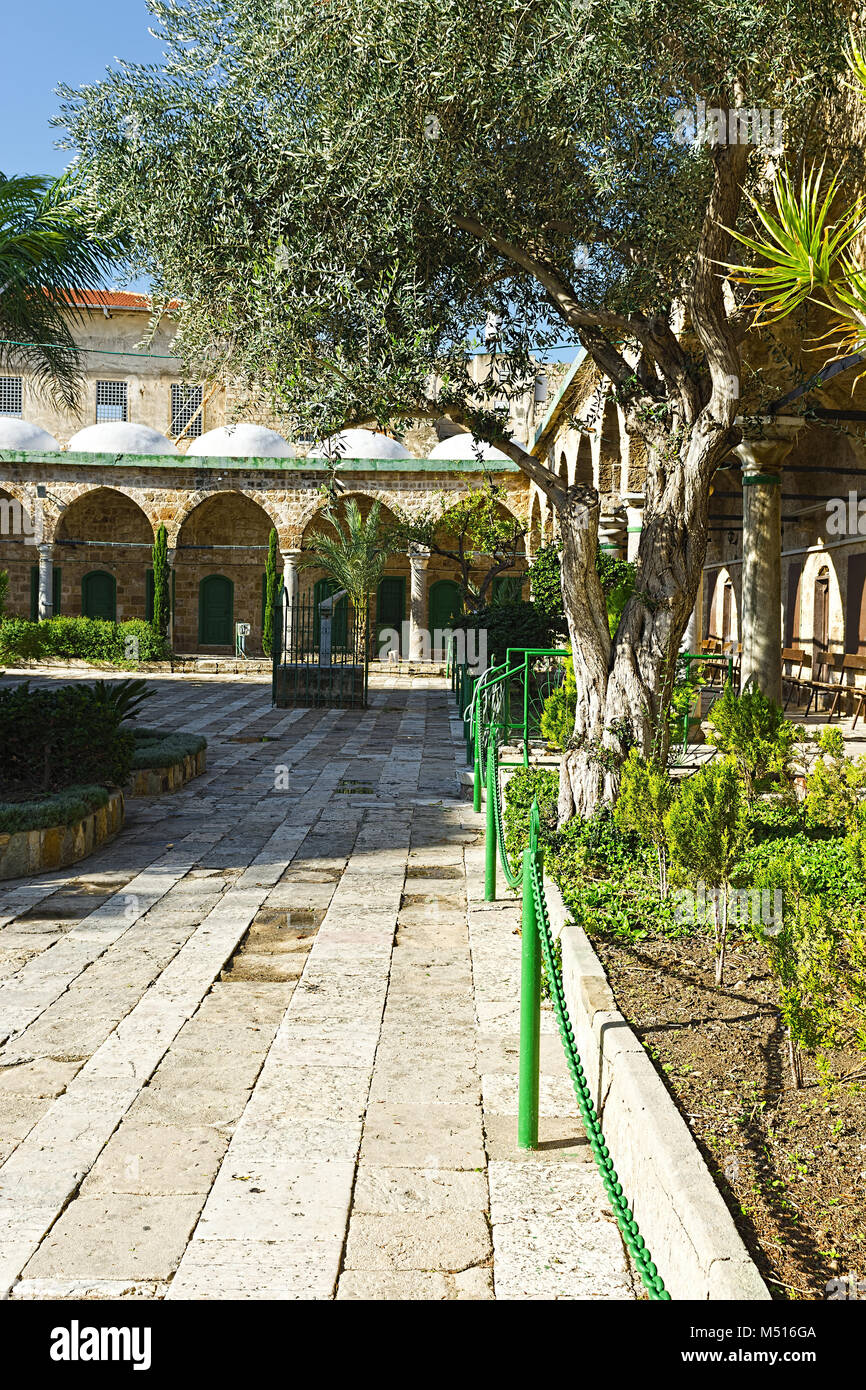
point(624, 686)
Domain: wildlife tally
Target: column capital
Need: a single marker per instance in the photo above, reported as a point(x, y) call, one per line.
point(767, 442)
point(418, 558)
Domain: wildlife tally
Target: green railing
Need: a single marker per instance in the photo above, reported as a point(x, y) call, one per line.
point(537, 946)
point(685, 661)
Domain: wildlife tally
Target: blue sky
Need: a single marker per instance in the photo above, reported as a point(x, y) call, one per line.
point(50, 41)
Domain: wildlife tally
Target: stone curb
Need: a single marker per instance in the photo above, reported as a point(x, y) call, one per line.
point(56, 846)
point(680, 1212)
point(152, 781)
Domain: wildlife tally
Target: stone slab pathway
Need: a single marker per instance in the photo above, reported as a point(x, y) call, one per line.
point(264, 1044)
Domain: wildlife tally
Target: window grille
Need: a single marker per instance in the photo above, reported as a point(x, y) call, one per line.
point(11, 395)
point(185, 402)
point(111, 401)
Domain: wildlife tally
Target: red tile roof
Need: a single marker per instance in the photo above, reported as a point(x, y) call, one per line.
point(112, 299)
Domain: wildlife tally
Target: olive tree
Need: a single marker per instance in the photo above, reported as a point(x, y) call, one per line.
point(343, 194)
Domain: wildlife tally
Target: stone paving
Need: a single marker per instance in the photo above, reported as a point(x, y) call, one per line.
point(264, 1044)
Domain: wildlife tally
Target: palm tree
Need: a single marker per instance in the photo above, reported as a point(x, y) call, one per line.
point(47, 248)
point(353, 555)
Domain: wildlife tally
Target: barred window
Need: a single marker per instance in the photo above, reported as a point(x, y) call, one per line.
point(186, 411)
point(111, 403)
point(10, 395)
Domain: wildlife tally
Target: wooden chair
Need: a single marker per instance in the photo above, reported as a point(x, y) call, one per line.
point(822, 682)
point(856, 664)
point(794, 657)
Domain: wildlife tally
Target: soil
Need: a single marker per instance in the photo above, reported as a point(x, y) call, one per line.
point(790, 1164)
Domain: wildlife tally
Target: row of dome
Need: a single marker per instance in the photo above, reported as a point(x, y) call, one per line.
point(229, 441)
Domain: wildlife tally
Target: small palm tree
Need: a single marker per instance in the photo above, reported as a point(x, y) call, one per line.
point(47, 248)
point(353, 554)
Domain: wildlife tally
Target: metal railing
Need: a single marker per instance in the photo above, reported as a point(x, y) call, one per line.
point(537, 945)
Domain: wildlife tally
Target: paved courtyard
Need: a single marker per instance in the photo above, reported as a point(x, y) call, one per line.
point(264, 1044)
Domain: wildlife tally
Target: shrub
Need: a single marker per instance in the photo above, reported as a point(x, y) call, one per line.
point(645, 796)
point(161, 747)
point(63, 808)
point(545, 586)
point(706, 834)
point(517, 624)
point(81, 639)
point(617, 582)
point(4, 589)
point(753, 731)
point(53, 739)
point(836, 784)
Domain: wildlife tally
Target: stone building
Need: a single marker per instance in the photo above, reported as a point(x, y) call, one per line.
point(81, 498)
point(786, 558)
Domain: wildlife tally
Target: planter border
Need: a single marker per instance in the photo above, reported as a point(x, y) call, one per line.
point(26, 852)
point(153, 781)
point(680, 1211)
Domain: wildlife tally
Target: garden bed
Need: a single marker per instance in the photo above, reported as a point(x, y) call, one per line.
point(164, 761)
point(791, 1165)
point(58, 830)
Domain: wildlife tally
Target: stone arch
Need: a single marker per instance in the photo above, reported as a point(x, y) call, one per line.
point(224, 535)
point(584, 473)
point(191, 501)
point(20, 533)
point(609, 449)
point(103, 530)
point(724, 618)
point(822, 624)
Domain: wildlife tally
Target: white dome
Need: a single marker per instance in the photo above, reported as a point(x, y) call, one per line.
point(361, 444)
point(120, 437)
point(465, 446)
point(23, 437)
point(242, 441)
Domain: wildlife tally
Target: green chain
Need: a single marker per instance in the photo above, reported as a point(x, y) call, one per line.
point(634, 1241)
point(513, 880)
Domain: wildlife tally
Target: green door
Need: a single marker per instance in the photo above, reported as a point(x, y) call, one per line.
point(391, 607)
point(340, 618)
point(215, 611)
point(446, 604)
point(99, 595)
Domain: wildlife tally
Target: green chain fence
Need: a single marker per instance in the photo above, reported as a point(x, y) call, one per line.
point(483, 737)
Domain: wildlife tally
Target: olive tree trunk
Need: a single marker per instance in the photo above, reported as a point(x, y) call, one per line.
point(624, 685)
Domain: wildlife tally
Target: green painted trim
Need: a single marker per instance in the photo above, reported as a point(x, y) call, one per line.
point(292, 465)
point(609, 545)
point(752, 479)
point(634, 530)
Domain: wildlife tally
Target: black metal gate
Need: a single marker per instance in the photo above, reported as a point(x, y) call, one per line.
point(319, 657)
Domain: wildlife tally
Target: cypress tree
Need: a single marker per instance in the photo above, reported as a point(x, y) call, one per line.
point(272, 580)
point(161, 581)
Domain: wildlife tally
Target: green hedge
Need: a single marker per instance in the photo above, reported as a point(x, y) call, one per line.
point(54, 739)
point(79, 639)
point(64, 808)
point(161, 747)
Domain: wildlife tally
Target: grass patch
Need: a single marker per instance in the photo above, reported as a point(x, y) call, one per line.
point(63, 808)
point(162, 747)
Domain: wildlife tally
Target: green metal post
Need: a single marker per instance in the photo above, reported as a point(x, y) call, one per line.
point(476, 781)
point(530, 1015)
point(470, 691)
point(526, 709)
point(490, 846)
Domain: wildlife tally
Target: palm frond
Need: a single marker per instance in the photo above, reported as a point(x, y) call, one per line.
point(352, 551)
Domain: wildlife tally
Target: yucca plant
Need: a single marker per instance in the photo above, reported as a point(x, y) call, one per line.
point(804, 250)
point(124, 698)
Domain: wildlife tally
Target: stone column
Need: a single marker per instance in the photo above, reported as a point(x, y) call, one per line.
point(634, 504)
point(611, 538)
point(766, 444)
point(418, 606)
point(290, 584)
point(45, 599)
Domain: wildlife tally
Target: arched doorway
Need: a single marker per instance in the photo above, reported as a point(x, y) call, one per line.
point(821, 610)
point(339, 618)
point(216, 595)
point(99, 595)
point(390, 608)
point(445, 605)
